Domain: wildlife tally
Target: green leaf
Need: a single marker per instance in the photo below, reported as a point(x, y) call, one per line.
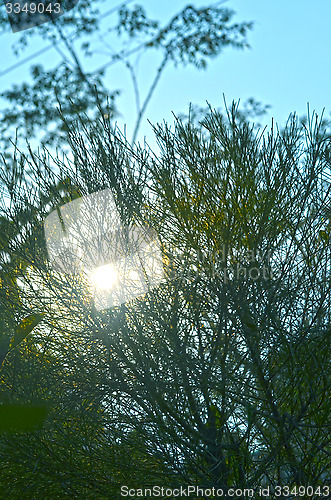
point(3, 354)
point(249, 322)
point(219, 419)
point(24, 328)
point(324, 235)
point(18, 418)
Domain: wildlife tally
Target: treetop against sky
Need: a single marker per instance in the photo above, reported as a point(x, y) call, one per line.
point(285, 66)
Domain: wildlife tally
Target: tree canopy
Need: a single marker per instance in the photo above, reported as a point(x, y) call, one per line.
point(192, 36)
point(217, 377)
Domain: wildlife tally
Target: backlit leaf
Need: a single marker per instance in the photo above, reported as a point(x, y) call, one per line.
point(24, 328)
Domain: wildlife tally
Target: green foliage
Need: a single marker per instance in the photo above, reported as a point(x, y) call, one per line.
point(21, 418)
point(21, 332)
point(196, 34)
point(35, 108)
point(24, 328)
point(217, 377)
point(193, 36)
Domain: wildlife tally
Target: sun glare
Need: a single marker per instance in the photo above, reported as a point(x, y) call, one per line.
point(133, 275)
point(104, 277)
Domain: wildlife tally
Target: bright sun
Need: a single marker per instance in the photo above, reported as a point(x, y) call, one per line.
point(104, 277)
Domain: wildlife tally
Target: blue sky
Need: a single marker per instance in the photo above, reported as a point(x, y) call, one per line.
point(287, 65)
